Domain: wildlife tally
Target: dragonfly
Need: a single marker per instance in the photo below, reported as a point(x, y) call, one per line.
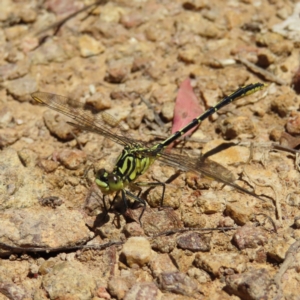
point(137, 157)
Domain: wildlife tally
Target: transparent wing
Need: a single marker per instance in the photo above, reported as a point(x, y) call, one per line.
point(206, 167)
point(83, 119)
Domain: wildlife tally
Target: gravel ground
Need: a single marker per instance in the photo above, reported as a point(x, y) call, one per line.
point(129, 59)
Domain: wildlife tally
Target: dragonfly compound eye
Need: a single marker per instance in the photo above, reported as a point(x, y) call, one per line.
point(115, 183)
point(102, 175)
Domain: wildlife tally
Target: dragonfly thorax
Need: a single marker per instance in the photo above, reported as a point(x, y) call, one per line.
point(109, 182)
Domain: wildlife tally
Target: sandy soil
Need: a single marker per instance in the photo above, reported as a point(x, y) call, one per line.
point(129, 60)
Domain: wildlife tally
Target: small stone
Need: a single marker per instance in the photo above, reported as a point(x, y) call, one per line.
point(46, 267)
point(28, 14)
point(155, 221)
point(8, 136)
point(119, 113)
point(88, 46)
point(72, 159)
point(21, 88)
point(200, 275)
point(133, 229)
point(132, 19)
point(161, 263)
point(5, 117)
point(192, 218)
point(284, 104)
point(240, 213)
point(99, 101)
point(140, 63)
point(12, 291)
point(78, 281)
point(184, 259)
point(269, 38)
point(189, 55)
point(283, 48)
point(167, 111)
point(50, 51)
point(220, 263)
point(27, 157)
point(210, 204)
point(56, 123)
point(164, 244)
point(232, 127)
point(118, 287)
point(194, 241)
point(143, 291)
point(14, 70)
point(278, 247)
point(48, 165)
point(118, 70)
point(179, 283)
point(136, 116)
point(250, 237)
point(251, 285)
point(137, 250)
point(14, 32)
point(111, 13)
point(293, 123)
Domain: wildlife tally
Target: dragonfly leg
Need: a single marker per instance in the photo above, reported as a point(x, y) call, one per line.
point(142, 201)
point(154, 184)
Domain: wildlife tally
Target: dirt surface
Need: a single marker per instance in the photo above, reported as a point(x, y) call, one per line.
point(129, 59)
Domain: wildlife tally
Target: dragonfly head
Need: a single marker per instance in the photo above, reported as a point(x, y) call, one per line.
point(108, 182)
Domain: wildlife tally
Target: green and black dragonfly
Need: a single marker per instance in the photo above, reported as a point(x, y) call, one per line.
point(136, 158)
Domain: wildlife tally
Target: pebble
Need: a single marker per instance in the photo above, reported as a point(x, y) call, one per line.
point(88, 46)
point(50, 51)
point(250, 237)
point(178, 283)
point(56, 123)
point(118, 70)
point(285, 103)
point(161, 263)
point(220, 263)
point(137, 251)
point(200, 275)
point(44, 227)
point(167, 111)
point(132, 19)
point(136, 116)
point(78, 282)
point(232, 127)
point(192, 218)
point(5, 117)
point(293, 123)
point(48, 165)
point(133, 229)
point(14, 32)
point(164, 244)
point(28, 157)
point(99, 101)
point(21, 88)
point(8, 136)
point(254, 284)
point(14, 70)
point(118, 286)
point(194, 241)
point(210, 204)
point(239, 212)
point(278, 247)
point(143, 291)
